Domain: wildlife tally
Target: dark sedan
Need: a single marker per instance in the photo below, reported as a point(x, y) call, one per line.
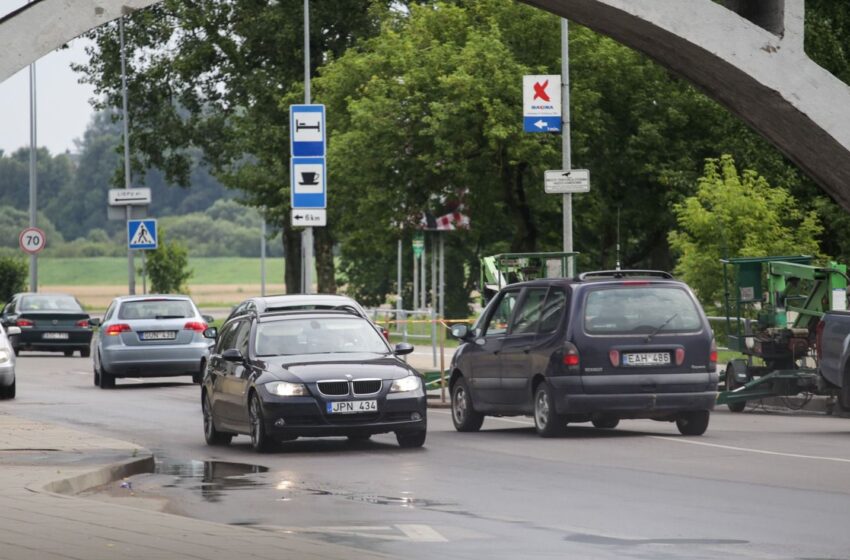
point(48, 322)
point(280, 376)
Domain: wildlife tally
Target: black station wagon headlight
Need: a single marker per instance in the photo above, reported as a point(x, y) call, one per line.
point(409, 383)
point(286, 389)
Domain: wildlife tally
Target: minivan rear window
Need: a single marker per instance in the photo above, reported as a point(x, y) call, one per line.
point(156, 309)
point(640, 310)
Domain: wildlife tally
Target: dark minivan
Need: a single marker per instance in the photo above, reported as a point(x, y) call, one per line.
point(598, 348)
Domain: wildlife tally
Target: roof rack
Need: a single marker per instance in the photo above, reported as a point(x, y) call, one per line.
point(625, 273)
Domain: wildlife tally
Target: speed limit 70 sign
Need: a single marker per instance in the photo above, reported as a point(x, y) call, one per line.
point(32, 240)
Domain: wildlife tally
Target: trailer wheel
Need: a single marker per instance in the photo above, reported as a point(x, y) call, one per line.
point(733, 368)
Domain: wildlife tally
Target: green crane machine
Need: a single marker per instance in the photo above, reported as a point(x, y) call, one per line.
point(777, 304)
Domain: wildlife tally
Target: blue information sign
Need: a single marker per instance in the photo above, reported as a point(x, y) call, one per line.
point(141, 234)
point(308, 182)
point(307, 130)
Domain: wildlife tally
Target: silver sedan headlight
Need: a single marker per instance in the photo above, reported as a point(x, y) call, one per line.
point(409, 383)
point(286, 389)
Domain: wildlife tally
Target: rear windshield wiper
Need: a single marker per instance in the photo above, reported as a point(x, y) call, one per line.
point(664, 324)
point(170, 317)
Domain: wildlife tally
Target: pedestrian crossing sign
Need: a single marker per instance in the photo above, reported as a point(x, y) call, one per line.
point(141, 234)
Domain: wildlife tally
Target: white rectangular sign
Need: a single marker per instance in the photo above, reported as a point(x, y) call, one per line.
point(541, 96)
point(309, 218)
point(562, 181)
point(129, 197)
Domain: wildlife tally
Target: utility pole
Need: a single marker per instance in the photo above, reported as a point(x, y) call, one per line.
point(565, 141)
point(263, 257)
point(131, 268)
point(307, 236)
point(33, 177)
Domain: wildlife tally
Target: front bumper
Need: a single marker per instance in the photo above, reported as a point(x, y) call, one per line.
point(306, 416)
point(153, 361)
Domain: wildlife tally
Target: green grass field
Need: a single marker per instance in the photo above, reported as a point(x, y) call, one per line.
point(110, 271)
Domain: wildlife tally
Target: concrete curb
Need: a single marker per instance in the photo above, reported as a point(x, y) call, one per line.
point(99, 477)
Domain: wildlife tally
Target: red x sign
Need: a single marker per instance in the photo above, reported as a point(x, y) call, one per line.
point(540, 91)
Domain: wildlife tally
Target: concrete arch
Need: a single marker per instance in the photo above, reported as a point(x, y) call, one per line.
point(748, 55)
point(42, 26)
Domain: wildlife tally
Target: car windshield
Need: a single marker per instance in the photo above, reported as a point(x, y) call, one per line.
point(50, 303)
point(640, 310)
point(156, 309)
point(326, 335)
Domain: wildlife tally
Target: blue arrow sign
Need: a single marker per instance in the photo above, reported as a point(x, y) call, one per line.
point(141, 234)
point(308, 181)
point(307, 130)
point(541, 124)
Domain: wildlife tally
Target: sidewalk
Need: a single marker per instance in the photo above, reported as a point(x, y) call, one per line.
point(38, 461)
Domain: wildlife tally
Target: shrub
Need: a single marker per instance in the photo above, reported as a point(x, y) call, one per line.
point(13, 276)
point(168, 267)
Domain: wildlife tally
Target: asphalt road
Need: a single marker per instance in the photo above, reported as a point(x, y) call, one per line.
point(756, 485)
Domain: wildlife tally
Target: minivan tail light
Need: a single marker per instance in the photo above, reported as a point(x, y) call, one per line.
point(571, 358)
point(712, 356)
point(819, 340)
point(197, 326)
point(614, 356)
point(24, 323)
point(116, 329)
point(680, 356)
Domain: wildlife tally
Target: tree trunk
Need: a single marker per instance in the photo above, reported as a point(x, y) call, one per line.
point(525, 232)
point(325, 269)
point(292, 252)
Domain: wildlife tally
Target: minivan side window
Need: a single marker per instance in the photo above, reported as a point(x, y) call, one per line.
point(553, 310)
point(498, 323)
point(527, 318)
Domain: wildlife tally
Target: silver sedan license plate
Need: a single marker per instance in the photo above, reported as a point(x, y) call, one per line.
point(159, 335)
point(351, 407)
point(646, 359)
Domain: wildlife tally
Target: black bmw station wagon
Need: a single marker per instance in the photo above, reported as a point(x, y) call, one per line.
point(598, 348)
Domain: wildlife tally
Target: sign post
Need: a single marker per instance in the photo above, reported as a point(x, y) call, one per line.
point(308, 175)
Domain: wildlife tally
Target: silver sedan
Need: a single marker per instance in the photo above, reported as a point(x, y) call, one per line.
point(150, 336)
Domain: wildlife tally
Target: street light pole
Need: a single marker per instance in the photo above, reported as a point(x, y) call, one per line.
point(33, 183)
point(131, 268)
point(307, 236)
point(565, 141)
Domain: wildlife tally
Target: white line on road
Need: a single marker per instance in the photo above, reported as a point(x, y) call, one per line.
point(703, 443)
point(421, 533)
point(748, 450)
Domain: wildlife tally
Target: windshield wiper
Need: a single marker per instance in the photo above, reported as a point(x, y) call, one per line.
point(170, 317)
point(664, 324)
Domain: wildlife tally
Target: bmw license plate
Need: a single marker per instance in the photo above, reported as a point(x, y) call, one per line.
point(55, 336)
point(159, 335)
point(351, 407)
point(646, 359)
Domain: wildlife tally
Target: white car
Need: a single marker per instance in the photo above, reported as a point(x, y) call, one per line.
point(7, 363)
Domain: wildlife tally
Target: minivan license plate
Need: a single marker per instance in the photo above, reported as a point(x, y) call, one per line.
point(351, 407)
point(646, 359)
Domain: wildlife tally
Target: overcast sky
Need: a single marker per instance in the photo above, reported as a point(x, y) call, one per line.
point(63, 110)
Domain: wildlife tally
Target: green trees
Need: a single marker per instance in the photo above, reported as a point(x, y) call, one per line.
point(168, 267)
point(13, 277)
point(737, 214)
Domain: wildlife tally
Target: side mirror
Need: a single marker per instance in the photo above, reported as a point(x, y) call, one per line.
point(13, 330)
point(233, 355)
point(95, 322)
point(403, 348)
point(460, 331)
point(208, 318)
point(211, 332)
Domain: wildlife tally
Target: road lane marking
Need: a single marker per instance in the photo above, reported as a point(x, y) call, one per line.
point(705, 444)
point(421, 533)
point(748, 450)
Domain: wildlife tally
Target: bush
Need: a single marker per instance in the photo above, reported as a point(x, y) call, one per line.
point(168, 267)
point(13, 276)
